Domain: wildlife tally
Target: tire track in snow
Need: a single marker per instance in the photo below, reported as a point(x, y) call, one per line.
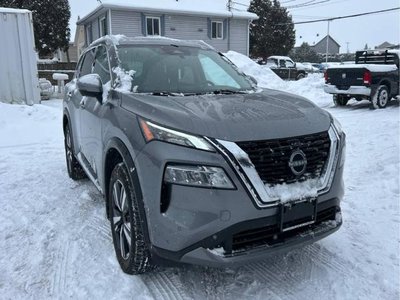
point(164, 286)
point(60, 277)
point(326, 260)
point(272, 279)
point(101, 226)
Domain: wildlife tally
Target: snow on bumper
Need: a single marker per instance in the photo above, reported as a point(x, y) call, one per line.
point(352, 90)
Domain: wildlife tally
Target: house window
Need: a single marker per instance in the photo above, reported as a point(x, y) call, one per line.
point(153, 26)
point(217, 29)
point(89, 34)
point(103, 26)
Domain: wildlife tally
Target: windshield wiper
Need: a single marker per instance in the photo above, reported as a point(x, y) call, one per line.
point(167, 94)
point(228, 92)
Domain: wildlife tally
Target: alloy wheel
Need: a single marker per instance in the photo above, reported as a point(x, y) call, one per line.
point(68, 149)
point(121, 219)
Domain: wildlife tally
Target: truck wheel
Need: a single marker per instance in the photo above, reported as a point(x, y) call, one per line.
point(74, 168)
point(300, 76)
point(381, 98)
point(127, 224)
point(340, 100)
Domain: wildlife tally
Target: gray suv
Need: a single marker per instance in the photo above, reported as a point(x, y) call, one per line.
point(196, 164)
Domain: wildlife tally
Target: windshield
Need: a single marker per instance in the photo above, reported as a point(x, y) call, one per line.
point(186, 70)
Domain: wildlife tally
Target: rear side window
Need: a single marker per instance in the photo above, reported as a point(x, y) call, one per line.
point(101, 65)
point(87, 63)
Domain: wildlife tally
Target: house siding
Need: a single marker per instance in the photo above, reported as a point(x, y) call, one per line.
point(95, 29)
point(126, 22)
point(239, 36)
point(192, 28)
point(185, 27)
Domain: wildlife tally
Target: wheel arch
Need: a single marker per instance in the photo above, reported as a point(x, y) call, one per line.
point(116, 152)
point(66, 119)
point(386, 83)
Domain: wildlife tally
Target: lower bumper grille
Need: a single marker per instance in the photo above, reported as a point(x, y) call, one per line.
point(271, 235)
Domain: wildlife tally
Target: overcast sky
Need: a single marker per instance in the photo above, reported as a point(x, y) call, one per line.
point(372, 30)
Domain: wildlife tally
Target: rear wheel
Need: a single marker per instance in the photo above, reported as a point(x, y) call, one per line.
point(75, 170)
point(340, 100)
point(381, 98)
point(300, 76)
point(127, 224)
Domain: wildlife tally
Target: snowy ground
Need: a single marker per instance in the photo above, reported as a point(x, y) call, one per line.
point(55, 241)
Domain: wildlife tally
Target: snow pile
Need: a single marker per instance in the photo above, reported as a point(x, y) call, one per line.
point(264, 75)
point(310, 87)
point(124, 80)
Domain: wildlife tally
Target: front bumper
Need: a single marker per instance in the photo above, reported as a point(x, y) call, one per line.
point(198, 219)
point(352, 90)
point(267, 241)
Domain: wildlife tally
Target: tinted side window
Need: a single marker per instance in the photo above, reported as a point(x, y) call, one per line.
point(101, 66)
point(87, 63)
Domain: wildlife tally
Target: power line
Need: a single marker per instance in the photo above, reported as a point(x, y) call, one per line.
point(306, 4)
point(344, 17)
point(318, 5)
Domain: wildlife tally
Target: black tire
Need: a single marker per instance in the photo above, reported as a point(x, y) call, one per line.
point(74, 168)
point(127, 221)
point(300, 76)
point(340, 100)
point(381, 98)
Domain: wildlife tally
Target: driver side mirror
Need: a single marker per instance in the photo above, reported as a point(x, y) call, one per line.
point(90, 85)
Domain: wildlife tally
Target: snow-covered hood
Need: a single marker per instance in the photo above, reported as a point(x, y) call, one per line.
point(370, 67)
point(269, 114)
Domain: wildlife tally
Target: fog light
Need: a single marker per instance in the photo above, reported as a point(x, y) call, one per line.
point(199, 176)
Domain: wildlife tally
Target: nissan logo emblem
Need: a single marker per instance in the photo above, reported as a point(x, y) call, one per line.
point(298, 162)
point(344, 75)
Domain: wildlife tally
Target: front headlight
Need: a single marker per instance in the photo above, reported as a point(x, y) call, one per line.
point(200, 176)
point(152, 132)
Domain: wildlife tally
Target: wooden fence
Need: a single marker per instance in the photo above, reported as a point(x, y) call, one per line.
point(46, 70)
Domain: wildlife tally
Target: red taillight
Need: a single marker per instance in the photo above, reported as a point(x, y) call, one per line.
point(326, 76)
point(367, 78)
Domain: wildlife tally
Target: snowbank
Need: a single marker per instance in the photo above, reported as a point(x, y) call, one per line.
point(264, 75)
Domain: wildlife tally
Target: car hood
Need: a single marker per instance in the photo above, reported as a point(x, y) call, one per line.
point(269, 114)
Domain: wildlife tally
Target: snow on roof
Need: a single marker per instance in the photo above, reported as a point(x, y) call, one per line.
point(395, 51)
point(280, 57)
point(13, 10)
point(217, 8)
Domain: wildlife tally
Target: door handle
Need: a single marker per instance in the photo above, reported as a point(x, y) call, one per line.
point(82, 104)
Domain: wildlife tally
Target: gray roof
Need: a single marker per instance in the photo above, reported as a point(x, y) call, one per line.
point(170, 10)
point(330, 38)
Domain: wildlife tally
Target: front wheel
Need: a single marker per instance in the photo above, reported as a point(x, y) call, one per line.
point(127, 224)
point(340, 100)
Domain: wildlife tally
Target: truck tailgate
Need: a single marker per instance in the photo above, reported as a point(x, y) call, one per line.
point(346, 77)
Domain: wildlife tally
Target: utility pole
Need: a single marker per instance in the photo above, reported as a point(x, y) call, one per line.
point(327, 44)
point(229, 5)
point(348, 51)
